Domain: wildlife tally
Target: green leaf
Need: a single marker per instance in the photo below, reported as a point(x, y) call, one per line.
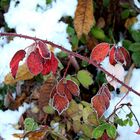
point(48, 109)
point(125, 122)
point(98, 131)
point(136, 58)
point(85, 78)
point(30, 124)
point(74, 41)
point(125, 14)
point(136, 35)
point(84, 63)
point(134, 47)
point(130, 122)
point(111, 131)
point(87, 129)
point(130, 115)
point(106, 3)
point(70, 31)
point(98, 33)
point(126, 43)
point(119, 121)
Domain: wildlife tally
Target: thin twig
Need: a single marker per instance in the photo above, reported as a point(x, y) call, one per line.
point(68, 65)
point(121, 99)
point(73, 54)
point(134, 116)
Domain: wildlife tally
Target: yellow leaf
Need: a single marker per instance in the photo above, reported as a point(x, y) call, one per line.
point(129, 22)
point(83, 20)
point(23, 73)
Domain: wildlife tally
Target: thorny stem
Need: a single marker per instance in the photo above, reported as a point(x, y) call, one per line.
point(73, 54)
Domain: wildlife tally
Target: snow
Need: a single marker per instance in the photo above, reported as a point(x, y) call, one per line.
point(9, 118)
point(137, 3)
point(35, 18)
point(136, 26)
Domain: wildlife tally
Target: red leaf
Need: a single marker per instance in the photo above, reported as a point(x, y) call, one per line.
point(19, 55)
point(120, 55)
point(99, 53)
point(34, 63)
point(97, 105)
point(46, 67)
point(101, 101)
point(67, 88)
point(50, 65)
point(60, 103)
point(138, 132)
point(53, 92)
point(43, 50)
point(54, 63)
point(126, 56)
point(112, 56)
point(107, 92)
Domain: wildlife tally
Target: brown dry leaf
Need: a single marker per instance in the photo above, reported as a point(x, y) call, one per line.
point(123, 89)
point(101, 22)
point(129, 22)
point(91, 42)
point(22, 74)
point(45, 91)
point(17, 102)
point(84, 19)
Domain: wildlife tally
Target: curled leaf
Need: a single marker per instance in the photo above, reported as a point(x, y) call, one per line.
point(119, 55)
point(99, 53)
point(19, 55)
point(50, 65)
point(43, 50)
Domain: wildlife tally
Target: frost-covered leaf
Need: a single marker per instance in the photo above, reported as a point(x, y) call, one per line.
point(67, 88)
point(117, 71)
point(34, 63)
point(19, 55)
point(60, 103)
point(101, 101)
point(30, 124)
point(50, 65)
point(97, 104)
point(99, 53)
point(43, 50)
point(85, 78)
point(83, 19)
point(119, 55)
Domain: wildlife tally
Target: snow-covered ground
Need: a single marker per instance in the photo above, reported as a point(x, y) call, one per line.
point(35, 18)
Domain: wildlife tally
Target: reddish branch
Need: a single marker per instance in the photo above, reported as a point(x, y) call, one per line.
point(72, 54)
